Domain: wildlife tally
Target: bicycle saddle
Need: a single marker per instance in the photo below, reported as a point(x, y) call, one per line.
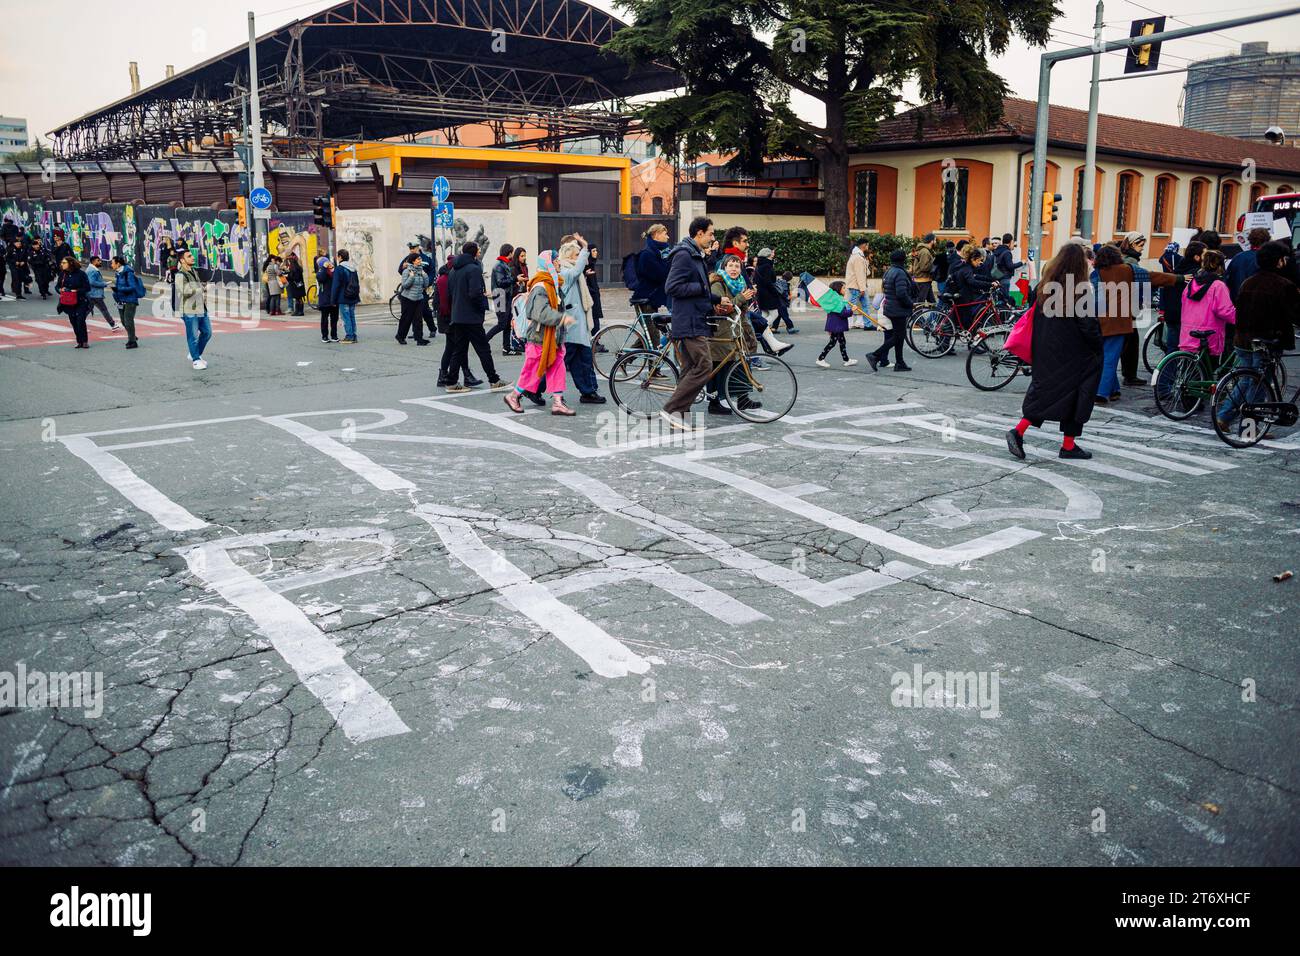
point(1201, 334)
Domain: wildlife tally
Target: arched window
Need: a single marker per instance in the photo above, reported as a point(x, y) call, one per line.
point(1197, 196)
point(1162, 219)
point(657, 205)
point(636, 205)
point(1128, 196)
point(1077, 226)
point(1226, 220)
point(1283, 190)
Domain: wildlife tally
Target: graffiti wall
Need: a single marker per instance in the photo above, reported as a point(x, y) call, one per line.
point(222, 248)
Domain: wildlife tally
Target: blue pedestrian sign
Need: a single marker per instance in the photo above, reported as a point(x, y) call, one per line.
point(444, 215)
point(260, 198)
point(441, 189)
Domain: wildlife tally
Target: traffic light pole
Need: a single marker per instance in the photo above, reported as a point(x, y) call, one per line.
point(255, 166)
point(1052, 57)
point(1089, 190)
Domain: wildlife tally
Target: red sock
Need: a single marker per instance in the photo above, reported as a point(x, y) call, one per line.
point(1068, 443)
point(1023, 427)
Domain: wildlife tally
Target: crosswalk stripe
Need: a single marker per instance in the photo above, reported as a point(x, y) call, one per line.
point(1099, 467)
point(13, 332)
point(1115, 444)
point(49, 326)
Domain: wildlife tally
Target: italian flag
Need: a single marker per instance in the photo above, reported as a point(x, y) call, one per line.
point(822, 295)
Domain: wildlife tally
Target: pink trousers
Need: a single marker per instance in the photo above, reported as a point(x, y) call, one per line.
point(532, 373)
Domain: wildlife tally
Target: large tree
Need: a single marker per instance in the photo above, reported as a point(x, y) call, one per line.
point(852, 55)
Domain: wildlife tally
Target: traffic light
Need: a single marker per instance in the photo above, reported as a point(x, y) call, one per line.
point(1050, 212)
point(241, 207)
point(1144, 58)
point(321, 211)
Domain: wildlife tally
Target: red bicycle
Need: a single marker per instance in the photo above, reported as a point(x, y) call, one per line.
point(933, 331)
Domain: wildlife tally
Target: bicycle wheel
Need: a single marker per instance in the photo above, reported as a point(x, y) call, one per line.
point(990, 367)
point(763, 394)
point(1233, 395)
point(1177, 385)
point(313, 296)
point(1153, 346)
point(641, 382)
point(395, 306)
point(931, 333)
point(619, 338)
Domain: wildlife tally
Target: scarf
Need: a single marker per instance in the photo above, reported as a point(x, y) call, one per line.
point(584, 294)
point(544, 278)
point(734, 286)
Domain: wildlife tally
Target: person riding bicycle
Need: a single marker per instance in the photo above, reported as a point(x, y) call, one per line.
point(1207, 306)
point(728, 282)
point(968, 283)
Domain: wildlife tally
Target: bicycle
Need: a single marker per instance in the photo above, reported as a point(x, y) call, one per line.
point(1153, 345)
point(932, 332)
point(642, 381)
point(313, 295)
point(643, 333)
point(1247, 402)
point(990, 366)
point(1183, 380)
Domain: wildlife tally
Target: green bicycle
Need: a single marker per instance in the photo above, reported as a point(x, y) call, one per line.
point(1183, 380)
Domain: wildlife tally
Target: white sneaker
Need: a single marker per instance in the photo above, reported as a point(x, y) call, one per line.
point(823, 363)
point(848, 362)
point(200, 364)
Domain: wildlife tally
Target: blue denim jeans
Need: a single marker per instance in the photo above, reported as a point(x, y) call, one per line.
point(1111, 347)
point(1246, 358)
point(348, 313)
point(198, 330)
point(860, 298)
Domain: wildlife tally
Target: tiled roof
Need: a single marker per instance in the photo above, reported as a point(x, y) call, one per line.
point(935, 126)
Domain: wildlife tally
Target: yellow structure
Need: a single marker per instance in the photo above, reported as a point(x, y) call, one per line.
point(389, 156)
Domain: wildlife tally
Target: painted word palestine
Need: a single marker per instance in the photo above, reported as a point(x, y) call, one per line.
point(1156, 899)
point(103, 909)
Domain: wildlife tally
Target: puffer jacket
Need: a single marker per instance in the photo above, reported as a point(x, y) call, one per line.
point(414, 282)
point(1207, 305)
point(900, 293)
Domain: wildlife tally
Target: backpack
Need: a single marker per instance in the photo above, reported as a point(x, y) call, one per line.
point(519, 315)
point(631, 278)
point(353, 287)
point(138, 285)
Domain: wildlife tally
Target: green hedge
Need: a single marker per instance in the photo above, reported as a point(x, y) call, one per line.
point(804, 250)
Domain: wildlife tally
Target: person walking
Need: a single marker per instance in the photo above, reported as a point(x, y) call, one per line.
point(688, 286)
point(900, 299)
point(61, 250)
point(592, 276)
point(855, 278)
point(127, 291)
point(575, 299)
point(503, 294)
point(295, 285)
point(411, 292)
point(942, 262)
point(837, 323)
point(1004, 257)
point(728, 282)
point(96, 294)
point(544, 347)
point(346, 293)
point(74, 290)
point(765, 284)
point(16, 258)
point(1067, 354)
point(784, 294)
point(274, 285)
point(42, 266)
point(1124, 289)
point(1244, 264)
point(469, 302)
point(329, 310)
point(652, 269)
point(194, 309)
point(923, 268)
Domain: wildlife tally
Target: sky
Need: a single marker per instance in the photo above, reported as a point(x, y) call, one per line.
point(158, 33)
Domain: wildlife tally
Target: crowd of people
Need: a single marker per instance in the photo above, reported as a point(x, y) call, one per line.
point(1085, 347)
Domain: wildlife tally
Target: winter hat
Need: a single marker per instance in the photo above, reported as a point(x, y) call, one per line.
point(1133, 238)
point(766, 252)
point(897, 257)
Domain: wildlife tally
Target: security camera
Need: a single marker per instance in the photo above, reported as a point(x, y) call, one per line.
point(1275, 135)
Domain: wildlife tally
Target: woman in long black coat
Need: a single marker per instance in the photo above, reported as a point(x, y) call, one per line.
point(1066, 353)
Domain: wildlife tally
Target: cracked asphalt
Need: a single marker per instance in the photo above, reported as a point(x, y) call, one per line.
point(769, 615)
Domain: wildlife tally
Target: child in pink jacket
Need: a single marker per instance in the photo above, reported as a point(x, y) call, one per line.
point(1207, 305)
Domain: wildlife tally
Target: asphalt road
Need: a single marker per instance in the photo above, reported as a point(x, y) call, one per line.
point(342, 618)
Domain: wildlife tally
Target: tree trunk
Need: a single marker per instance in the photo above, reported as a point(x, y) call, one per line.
point(833, 160)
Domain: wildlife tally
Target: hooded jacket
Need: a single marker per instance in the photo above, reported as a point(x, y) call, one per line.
point(347, 285)
point(765, 283)
point(652, 272)
point(1207, 304)
point(855, 273)
point(124, 287)
point(469, 299)
point(1268, 307)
